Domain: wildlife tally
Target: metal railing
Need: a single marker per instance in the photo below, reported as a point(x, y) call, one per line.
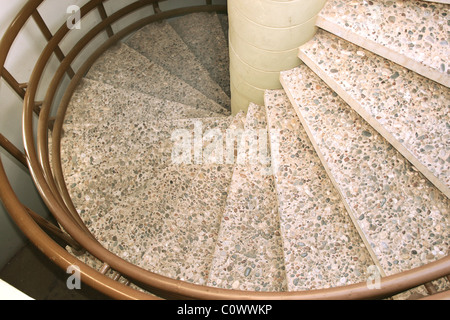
point(46, 171)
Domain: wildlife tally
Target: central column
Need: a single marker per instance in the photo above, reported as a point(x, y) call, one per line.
point(264, 39)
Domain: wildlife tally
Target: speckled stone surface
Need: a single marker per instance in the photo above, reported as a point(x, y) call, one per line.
point(412, 33)
point(203, 34)
point(249, 254)
point(105, 162)
point(192, 227)
point(100, 101)
point(401, 215)
point(410, 111)
point(161, 44)
point(322, 248)
point(119, 172)
point(123, 67)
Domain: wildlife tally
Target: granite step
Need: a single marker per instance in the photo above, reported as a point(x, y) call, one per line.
point(402, 216)
point(125, 68)
point(322, 248)
point(94, 102)
point(408, 110)
point(189, 227)
point(160, 43)
point(248, 253)
point(203, 34)
point(134, 208)
point(106, 162)
point(413, 34)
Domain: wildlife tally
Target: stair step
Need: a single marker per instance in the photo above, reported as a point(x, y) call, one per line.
point(186, 238)
point(192, 224)
point(398, 211)
point(203, 34)
point(95, 101)
point(107, 161)
point(134, 208)
point(412, 33)
point(408, 110)
point(160, 43)
point(125, 68)
point(149, 142)
point(322, 248)
point(137, 227)
point(248, 254)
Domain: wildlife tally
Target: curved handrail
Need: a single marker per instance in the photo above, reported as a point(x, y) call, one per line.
point(43, 176)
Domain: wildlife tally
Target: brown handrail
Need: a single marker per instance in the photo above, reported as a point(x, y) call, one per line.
point(57, 254)
point(13, 150)
point(164, 286)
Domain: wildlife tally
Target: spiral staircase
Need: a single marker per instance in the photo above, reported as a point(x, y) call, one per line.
point(345, 198)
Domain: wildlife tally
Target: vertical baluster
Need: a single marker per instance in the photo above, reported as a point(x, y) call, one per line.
point(431, 289)
point(48, 36)
point(103, 15)
point(12, 82)
point(156, 7)
point(13, 150)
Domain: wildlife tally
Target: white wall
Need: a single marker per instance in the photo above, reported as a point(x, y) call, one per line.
point(11, 239)
point(24, 54)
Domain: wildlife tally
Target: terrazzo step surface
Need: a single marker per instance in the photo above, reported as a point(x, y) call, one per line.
point(105, 162)
point(402, 216)
point(248, 254)
point(160, 43)
point(125, 68)
point(203, 34)
point(153, 218)
point(408, 110)
point(190, 227)
point(103, 102)
point(322, 248)
point(411, 33)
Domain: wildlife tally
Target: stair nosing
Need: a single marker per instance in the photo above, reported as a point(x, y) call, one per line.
point(375, 124)
point(383, 51)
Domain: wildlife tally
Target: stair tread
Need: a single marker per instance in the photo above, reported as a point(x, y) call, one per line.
point(97, 163)
point(322, 248)
point(137, 227)
point(125, 68)
point(135, 209)
point(410, 111)
point(160, 43)
point(400, 214)
point(193, 221)
point(93, 99)
point(203, 34)
point(248, 254)
point(411, 33)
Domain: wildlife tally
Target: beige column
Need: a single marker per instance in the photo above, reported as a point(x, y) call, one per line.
point(264, 39)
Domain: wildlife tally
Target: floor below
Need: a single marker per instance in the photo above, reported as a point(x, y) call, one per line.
point(34, 274)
